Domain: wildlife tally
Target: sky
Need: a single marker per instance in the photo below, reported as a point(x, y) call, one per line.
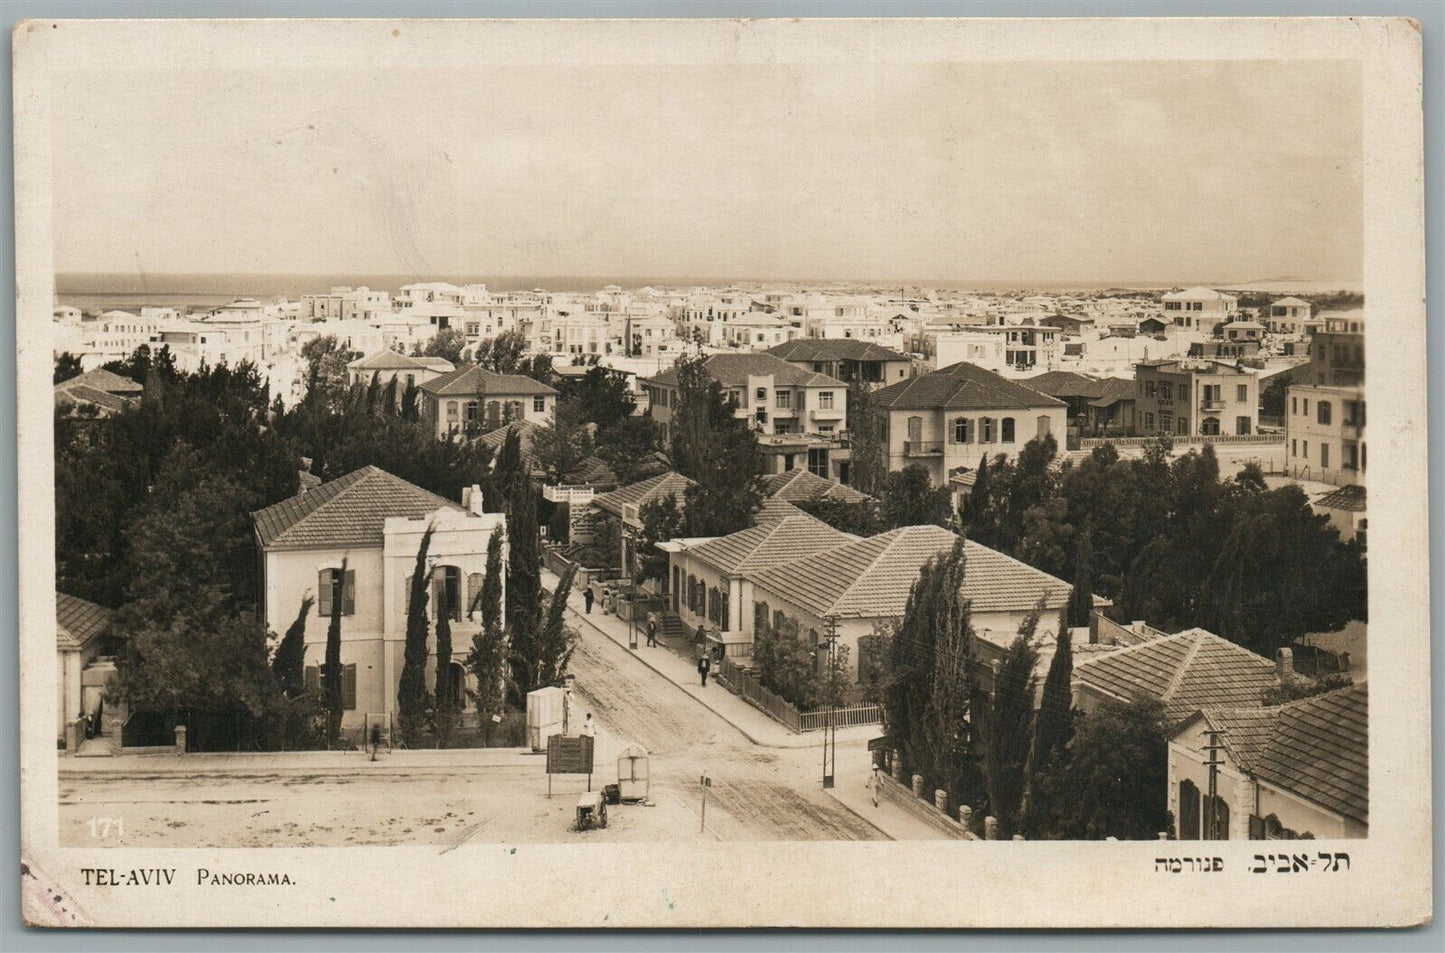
point(1172, 172)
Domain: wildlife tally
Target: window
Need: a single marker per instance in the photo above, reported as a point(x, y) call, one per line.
point(1148, 421)
point(1305, 447)
point(785, 399)
point(446, 587)
point(760, 618)
point(1006, 428)
point(326, 586)
point(1149, 388)
point(1166, 423)
point(960, 430)
point(1220, 817)
point(1166, 390)
point(818, 462)
point(825, 400)
point(1324, 456)
point(1294, 405)
point(474, 593)
point(1322, 411)
point(473, 408)
point(1183, 426)
point(1188, 810)
point(762, 393)
point(539, 405)
point(453, 409)
point(348, 684)
point(1294, 448)
point(1306, 404)
point(985, 430)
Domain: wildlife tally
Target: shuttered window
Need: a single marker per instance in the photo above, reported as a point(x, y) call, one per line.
point(474, 593)
point(348, 687)
point(326, 591)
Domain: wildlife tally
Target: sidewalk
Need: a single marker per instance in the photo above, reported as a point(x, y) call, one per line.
point(401, 760)
point(754, 724)
point(850, 779)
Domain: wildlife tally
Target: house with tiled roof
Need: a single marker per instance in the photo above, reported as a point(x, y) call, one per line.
point(847, 359)
point(1186, 671)
point(105, 391)
point(862, 582)
point(374, 521)
point(623, 507)
point(1298, 770)
point(1200, 309)
point(709, 580)
point(387, 365)
point(955, 416)
point(471, 400)
point(84, 662)
point(802, 486)
point(1115, 410)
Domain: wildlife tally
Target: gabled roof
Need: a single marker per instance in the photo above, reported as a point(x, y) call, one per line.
point(961, 386)
point(389, 360)
point(1064, 384)
point(349, 511)
point(78, 621)
point(871, 578)
point(103, 380)
point(1348, 498)
point(474, 379)
point(733, 370)
point(89, 395)
point(1115, 389)
point(645, 491)
point(1197, 294)
point(1317, 747)
point(805, 486)
point(769, 543)
point(1187, 671)
point(834, 349)
point(1290, 302)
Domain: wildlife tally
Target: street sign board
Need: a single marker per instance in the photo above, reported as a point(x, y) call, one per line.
point(569, 754)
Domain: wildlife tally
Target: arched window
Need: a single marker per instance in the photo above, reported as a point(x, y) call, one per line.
point(1188, 810)
point(961, 430)
point(986, 432)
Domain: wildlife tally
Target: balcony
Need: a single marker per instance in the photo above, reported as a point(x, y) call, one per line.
point(828, 413)
point(1211, 406)
point(923, 448)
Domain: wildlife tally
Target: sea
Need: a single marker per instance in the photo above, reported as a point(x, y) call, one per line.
point(93, 291)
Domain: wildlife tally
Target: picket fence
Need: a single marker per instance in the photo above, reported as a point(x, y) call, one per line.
point(746, 685)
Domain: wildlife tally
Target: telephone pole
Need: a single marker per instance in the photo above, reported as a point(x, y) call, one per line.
point(830, 681)
point(1212, 813)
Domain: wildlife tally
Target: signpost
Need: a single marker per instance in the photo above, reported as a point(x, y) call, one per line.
point(704, 782)
point(569, 754)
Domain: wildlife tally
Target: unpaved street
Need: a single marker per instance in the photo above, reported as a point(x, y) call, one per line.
point(758, 793)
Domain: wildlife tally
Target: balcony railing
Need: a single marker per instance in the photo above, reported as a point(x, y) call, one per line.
point(1211, 405)
point(828, 413)
point(922, 448)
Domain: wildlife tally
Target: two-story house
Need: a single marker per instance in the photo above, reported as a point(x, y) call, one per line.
point(1200, 309)
point(1287, 316)
point(951, 418)
point(1188, 398)
point(472, 400)
point(374, 521)
point(387, 365)
point(865, 362)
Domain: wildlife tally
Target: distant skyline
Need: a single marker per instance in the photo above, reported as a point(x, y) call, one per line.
point(998, 173)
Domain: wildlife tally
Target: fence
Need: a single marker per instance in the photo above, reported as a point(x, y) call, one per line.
point(745, 684)
point(1089, 443)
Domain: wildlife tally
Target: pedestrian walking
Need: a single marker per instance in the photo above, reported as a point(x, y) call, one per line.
point(589, 727)
point(588, 597)
point(703, 665)
point(874, 782)
point(651, 631)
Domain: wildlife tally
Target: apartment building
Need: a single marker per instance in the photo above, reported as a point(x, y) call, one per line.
point(472, 400)
point(870, 364)
point(1196, 398)
point(1202, 309)
point(774, 395)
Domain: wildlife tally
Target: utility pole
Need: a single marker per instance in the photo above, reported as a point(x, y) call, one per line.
point(830, 730)
point(1213, 749)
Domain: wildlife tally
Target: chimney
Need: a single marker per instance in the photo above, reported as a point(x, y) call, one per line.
point(472, 500)
point(1284, 665)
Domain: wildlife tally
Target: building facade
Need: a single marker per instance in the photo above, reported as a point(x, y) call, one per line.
point(472, 400)
point(1187, 398)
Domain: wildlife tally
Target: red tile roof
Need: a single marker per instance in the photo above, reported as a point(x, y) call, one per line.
point(733, 370)
point(1187, 672)
point(805, 486)
point(1317, 748)
point(389, 360)
point(102, 379)
point(1063, 384)
point(350, 511)
point(77, 621)
point(961, 387)
point(834, 349)
point(473, 379)
point(643, 491)
point(871, 578)
point(1348, 498)
point(769, 543)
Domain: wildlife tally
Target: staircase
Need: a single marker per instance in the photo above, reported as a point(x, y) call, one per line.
point(671, 627)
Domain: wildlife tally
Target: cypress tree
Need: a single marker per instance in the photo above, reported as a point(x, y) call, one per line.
point(1007, 730)
point(524, 588)
point(331, 669)
point(1056, 709)
point(488, 657)
point(411, 692)
point(556, 639)
point(1081, 599)
point(290, 662)
point(444, 703)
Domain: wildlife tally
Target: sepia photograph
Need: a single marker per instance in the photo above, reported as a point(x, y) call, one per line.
point(507, 445)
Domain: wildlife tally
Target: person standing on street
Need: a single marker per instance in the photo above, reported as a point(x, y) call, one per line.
point(589, 727)
point(703, 664)
point(874, 783)
point(587, 597)
point(651, 631)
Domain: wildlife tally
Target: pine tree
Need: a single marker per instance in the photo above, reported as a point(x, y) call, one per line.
point(411, 692)
point(290, 662)
point(1007, 733)
point(331, 668)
